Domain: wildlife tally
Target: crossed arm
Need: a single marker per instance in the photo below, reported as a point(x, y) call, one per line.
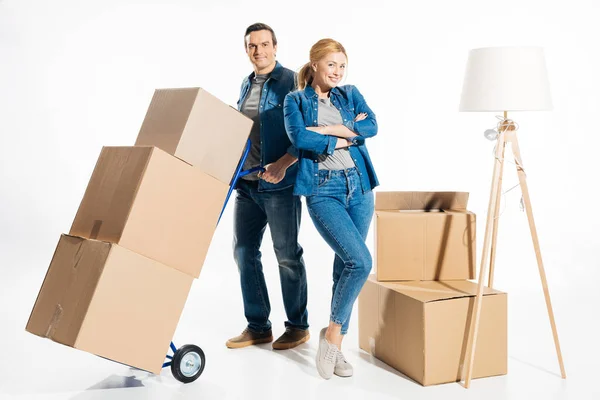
point(324, 140)
point(321, 140)
point(275, 172)
point(339, 130)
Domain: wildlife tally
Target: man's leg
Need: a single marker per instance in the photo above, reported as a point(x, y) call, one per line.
point(283, 211)
point(249, 226)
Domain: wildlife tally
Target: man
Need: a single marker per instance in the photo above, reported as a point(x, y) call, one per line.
point(267, 198)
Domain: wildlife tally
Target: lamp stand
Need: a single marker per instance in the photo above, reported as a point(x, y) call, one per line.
point(507, 134)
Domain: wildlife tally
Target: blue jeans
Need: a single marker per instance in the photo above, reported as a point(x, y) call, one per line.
point(282, 211)
point(342, 214)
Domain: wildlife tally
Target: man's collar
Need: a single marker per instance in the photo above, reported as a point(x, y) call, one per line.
point(275, 74)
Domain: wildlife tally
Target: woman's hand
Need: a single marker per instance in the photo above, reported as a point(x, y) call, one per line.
point(361, 117)
point(342, 143)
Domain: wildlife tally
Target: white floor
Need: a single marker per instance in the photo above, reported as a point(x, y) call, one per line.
point(37, 368)
point(75, 76)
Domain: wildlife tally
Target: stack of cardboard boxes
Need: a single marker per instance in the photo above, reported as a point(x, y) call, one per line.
point(415, 313)
point(118, 282)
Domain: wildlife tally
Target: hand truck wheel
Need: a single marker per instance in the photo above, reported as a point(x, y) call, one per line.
point(188, 363)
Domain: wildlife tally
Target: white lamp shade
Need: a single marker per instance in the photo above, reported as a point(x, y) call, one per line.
point(506, 79)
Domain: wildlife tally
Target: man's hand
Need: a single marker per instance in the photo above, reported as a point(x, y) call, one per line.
point(275, 172)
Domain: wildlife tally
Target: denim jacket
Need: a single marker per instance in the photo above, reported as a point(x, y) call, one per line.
point(301, 110)
point(274, 142)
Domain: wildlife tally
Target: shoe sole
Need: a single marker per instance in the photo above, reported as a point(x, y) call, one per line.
point(341, 375)
point(239, 345)
point(290, 345)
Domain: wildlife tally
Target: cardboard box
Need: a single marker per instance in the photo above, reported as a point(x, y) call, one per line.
point(421, 328)
point(424, 236)
point(195, 126)
point(153, 204)
point(109, 301)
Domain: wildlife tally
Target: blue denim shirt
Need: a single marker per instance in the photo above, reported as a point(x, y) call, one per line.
point(274, 142)
point(301, 110)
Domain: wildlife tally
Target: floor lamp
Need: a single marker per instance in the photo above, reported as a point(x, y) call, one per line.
point(503, 79)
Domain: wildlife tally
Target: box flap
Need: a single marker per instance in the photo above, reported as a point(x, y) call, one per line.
point(421, 200)
point(428, 291)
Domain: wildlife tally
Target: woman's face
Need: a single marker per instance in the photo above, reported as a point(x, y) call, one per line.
point(329, 71)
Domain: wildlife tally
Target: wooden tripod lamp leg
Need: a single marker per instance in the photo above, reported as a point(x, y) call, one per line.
point(536, 245)
point(470, 355)
point(496, 219)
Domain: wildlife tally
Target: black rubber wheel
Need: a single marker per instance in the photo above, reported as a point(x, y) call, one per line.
point(188, 363)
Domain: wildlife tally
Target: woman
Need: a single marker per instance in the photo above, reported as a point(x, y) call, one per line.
point(329, 125)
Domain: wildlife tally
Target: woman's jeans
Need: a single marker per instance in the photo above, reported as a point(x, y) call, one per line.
point(342, 214)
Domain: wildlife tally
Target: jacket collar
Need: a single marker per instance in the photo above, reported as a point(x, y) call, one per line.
point(310, 92)
point(275, 74)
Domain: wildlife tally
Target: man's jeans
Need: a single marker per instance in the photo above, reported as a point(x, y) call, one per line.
point(342, 214)
point(281, 210)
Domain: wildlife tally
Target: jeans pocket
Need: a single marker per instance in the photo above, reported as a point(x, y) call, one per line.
point(323, 179)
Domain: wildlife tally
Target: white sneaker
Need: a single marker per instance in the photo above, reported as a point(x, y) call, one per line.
point(342, 367)
point(326, 356)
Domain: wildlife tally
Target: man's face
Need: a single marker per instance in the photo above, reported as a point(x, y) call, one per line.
point(260, 50)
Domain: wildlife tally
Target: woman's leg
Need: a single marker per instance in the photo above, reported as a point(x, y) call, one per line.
point(335, 225)
point(361, 207)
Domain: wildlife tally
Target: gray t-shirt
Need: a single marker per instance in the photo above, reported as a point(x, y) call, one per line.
point(250, 108)
point(341, 158)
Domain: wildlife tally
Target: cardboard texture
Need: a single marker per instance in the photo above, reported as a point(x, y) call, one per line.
point(424, 236)
point(152, 203)
point(195, 126)
point(421, 328)
point(104, 299)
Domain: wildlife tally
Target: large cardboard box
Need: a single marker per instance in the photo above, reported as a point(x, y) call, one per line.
point(195, 126)
point(150, 202)
point(104, 299)
point(421, 328)
point(424, 236)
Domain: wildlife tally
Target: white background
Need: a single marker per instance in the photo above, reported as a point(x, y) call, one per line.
point(77, 75)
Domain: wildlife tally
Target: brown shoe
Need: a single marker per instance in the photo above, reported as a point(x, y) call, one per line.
point(249, 338)
point(291, 338)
